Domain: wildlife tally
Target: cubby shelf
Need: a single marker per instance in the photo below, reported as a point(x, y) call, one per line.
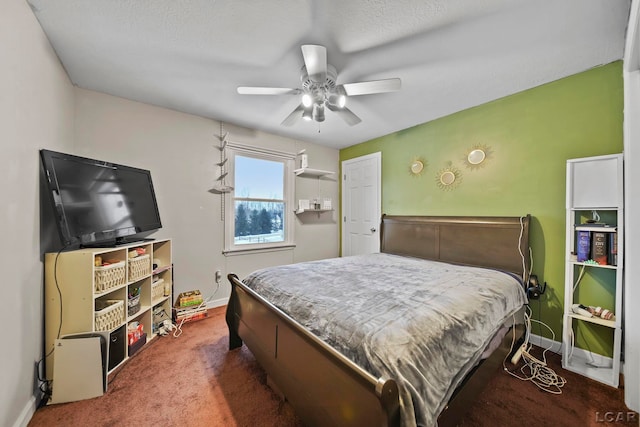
point(80, 293)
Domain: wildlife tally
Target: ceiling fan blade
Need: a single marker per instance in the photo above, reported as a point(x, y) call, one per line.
point(249, 90)
point(371, 87)
point(293, 116)
point(346, 114)
point(315, 59)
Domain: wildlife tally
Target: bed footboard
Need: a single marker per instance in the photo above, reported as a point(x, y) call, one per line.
point(323, 386)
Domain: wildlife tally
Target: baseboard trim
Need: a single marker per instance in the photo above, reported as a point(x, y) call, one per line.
point(26, 414)
point(556, 347)
point(543, 342)
point(217, 303)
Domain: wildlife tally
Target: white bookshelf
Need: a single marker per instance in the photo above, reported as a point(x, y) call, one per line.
point(594, 185)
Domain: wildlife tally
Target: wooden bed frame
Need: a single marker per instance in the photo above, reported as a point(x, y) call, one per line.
point(326, 388)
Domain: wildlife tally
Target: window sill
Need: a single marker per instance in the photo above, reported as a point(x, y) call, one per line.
point(234, 252)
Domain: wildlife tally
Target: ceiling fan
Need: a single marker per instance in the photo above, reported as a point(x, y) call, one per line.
point(319, 89)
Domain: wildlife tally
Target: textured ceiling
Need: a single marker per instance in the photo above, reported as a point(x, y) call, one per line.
point(191, 56)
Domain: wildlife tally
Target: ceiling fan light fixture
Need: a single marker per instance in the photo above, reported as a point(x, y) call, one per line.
point(307, 100)
point(306, 114)
point(318, 112)
point(337, 100)
point(319, 89)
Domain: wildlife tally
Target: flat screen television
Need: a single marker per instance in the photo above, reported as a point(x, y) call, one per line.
point(98, 203)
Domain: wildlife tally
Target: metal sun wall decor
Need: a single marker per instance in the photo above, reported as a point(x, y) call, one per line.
point(417, 166)
point(449, 177)
point(477, 156)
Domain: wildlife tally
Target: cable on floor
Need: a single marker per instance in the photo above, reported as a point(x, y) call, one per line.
point(534, 369)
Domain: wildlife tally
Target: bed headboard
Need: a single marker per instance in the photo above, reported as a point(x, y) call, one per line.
point(495, 242)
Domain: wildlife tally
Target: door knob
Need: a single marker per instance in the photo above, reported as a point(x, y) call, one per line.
point(373, 230)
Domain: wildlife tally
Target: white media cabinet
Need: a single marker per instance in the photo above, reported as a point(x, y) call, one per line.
point(83, 298)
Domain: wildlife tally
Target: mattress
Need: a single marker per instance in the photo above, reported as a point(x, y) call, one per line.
point(422, 323)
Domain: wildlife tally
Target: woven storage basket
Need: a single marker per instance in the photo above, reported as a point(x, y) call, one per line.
point(109, 314)
point(157, 289)
point(109, 276)
point(139, 267)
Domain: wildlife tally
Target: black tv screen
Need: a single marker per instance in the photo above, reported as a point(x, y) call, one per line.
point(99, 202)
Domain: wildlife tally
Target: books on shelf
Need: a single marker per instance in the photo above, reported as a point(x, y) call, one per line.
point(612, 249)
point(597, 244)
point(599, 247)
point(583, 245)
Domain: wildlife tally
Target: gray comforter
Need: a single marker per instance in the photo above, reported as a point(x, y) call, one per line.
point(423, 323)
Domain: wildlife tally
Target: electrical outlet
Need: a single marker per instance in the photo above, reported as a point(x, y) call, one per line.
point(218, 276)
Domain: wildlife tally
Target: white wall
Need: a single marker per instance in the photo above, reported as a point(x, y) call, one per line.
point(36, 111)
point(632, 210)
point(39, 108)
point(181, 152)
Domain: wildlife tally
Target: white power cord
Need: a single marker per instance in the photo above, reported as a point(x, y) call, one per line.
point(534, 369)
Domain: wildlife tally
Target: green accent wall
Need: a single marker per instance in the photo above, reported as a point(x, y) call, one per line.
point(529, 137)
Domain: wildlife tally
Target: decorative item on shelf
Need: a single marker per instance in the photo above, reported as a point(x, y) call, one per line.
point(316, 205)
point(603, 313)
point(304, 159)
point(582, 310)
point(417, 166)
point(326, 204)
point(303, 205)
point(591, 311)
point(477, 156)
point(448, 177)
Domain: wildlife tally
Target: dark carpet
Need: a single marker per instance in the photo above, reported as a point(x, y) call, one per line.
point(193, 380)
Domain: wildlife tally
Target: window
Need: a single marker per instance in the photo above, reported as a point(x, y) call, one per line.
point(259, 210)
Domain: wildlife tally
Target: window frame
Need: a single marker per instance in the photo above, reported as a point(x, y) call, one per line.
point(288, 159)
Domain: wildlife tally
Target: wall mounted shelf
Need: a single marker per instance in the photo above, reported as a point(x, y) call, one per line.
point(312, 172)
point(319, 211)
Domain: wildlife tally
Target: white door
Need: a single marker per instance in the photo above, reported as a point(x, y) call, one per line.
point(361, 205)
